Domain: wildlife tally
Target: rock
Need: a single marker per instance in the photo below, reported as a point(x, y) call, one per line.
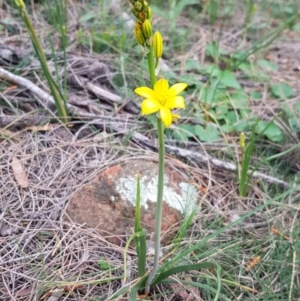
point(108, 203)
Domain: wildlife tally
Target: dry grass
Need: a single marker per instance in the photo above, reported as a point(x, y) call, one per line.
point(39, 252)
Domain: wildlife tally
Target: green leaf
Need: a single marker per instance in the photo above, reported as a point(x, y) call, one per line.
point(246, 67)
point(191, 64)
point(185, 268)
point(184, 132)
point(282, 90)
point(208, 134)
point(296, 27)
point(294, 124)
point(228, 79)
point(104, 265)
point(256, 95)
point(179, 7)
point(219, 112)
point(212, 70)
point(227, 128)
point(214, 50)
point(267, 65)
point(241, 126)
point(88, 17)
point(240, 55)
point(211, 95)
point(190, 80)
point(270, 130)
point(239, 100)
point(232, 117)
point(153, 120)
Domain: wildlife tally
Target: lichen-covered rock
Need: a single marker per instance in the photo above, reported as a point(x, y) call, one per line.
point(108, 203)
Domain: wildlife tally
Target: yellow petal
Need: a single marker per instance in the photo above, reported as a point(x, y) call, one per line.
point(150, 106)
point(176, 102)
point(161, 86)
point(177, 88)
point(165, 116)
point(145, 92)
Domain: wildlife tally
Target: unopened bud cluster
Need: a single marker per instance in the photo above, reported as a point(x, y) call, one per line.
point(143, 28)
point(141, 10)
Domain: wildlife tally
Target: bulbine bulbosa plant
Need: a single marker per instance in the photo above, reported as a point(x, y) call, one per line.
point(159, 98)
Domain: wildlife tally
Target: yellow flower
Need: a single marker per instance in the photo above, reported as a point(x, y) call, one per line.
point(162, 99)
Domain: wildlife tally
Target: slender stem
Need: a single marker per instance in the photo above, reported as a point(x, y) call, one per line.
point(58, 97)
point(160, 192)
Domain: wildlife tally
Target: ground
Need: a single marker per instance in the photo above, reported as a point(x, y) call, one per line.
point(241, 62)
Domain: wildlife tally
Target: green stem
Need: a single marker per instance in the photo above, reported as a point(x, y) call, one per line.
point(160, 191)
point(60, 102)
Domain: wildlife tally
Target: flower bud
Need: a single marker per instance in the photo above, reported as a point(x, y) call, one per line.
point(242, 140)
point(138, 6)
point(135, 12)
point(147, 29)
point(20, 4)
point(157, 44)
point(175, 117)
point(145, 6)
point(139, 35)
point(142, 16)
point(149, 13)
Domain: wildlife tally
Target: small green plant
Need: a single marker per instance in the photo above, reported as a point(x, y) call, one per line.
point(246, 153)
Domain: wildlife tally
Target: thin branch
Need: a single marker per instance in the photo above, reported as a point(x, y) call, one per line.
point(204, 158)
point(49, 100)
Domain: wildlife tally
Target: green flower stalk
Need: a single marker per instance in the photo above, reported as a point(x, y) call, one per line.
point(159, 99)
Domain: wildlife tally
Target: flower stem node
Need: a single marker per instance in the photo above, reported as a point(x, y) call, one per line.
point(162, 100)
point(157, 44)
point(147, 29)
